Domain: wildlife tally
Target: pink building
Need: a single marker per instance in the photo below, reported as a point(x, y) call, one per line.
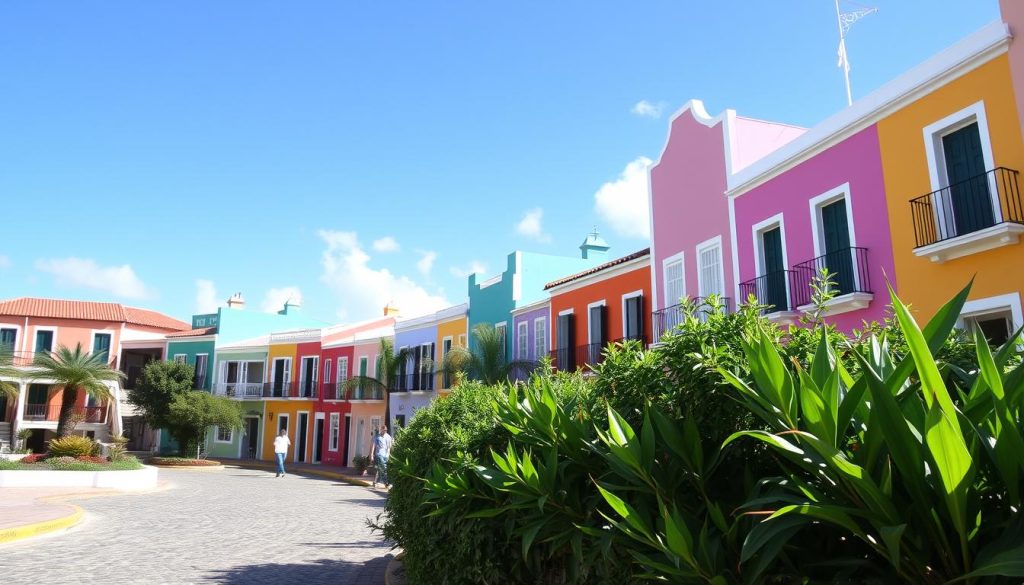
point(691, 248)
point(826, 211)
point(127, 337)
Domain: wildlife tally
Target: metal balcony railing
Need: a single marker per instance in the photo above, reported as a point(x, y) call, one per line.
point(51, 413)
point(849, 273)
point(968, 206)
point(239, 389)
point(414, 382)
point(669, 318)
point(771, 290)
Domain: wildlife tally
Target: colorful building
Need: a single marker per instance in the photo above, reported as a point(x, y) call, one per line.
point(604, 304)
point(522, 283)
point(127, 337)
point(531, 326)
point(452, 332)
point(416, 383)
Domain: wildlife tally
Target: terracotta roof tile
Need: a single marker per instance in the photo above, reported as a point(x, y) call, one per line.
point(598, 268)
point(88, 310)
point(194, 332)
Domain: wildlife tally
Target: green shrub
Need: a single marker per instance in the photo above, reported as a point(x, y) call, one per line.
point(361, 463)
point(71, 446)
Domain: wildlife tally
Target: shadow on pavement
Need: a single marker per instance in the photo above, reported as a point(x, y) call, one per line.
point(324, 571)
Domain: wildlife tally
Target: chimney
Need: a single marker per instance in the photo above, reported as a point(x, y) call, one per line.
point(236, 301)
point(390, 310)
point(594, 247)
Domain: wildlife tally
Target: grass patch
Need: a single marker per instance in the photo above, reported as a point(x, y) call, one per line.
point(183, 462)
point(72, 464)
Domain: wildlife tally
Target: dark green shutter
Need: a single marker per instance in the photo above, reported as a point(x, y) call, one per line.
point(774, 292)
point(838, 256)
point(968, 184)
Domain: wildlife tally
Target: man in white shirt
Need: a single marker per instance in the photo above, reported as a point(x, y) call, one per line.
point(380, 453)
point(281, 444)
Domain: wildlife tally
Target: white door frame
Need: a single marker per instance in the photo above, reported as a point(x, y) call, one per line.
point(295, 441)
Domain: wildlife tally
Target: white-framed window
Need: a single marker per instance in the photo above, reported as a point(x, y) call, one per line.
point(44, 339)
point(710, 269)
point(9, 338)
point(501, 329)
point(224, 435)
point(328, 364)
point(832, 230)
point(101, 341)
point(462, 341)
point(335, 431)
point(540, 337)
point(998, 317)
point(180, 358)
point(675, 281)
point(342, 374)
point(199, 379)
point(597, 326)
point(523, 340)
point(633, 315)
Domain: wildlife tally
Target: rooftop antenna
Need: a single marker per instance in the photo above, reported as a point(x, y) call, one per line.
point(845, 20)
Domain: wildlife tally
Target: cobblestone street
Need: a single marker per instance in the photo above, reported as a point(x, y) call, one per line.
point(231, 526)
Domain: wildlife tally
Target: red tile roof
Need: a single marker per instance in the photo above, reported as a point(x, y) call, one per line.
point(89, 310)
point(194, 332)
point(599, 268)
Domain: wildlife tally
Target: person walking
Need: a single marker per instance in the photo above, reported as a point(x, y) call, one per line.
point(381, 452)
point(281, 444)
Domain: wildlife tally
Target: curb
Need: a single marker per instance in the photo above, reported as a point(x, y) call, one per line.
point(25, 531)
point(391, 573)
point(189, 467)
point(327, 474)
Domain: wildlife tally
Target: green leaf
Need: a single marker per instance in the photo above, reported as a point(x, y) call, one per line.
point(891, 536)
point(953, 463)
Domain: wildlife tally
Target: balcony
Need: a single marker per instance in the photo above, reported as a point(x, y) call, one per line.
point(421, 382)
point(772, 291)
point(291, 389)
point(849, 273)
point(582, 356)
point(241, 390)
point(669, 318)
point(981, 213)
point(51, 413)
point(365, 394)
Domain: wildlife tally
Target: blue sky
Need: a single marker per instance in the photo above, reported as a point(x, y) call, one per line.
point(168, 154)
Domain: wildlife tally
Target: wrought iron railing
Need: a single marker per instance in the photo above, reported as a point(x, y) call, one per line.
point(968, 206)
point(669, 318)
point(47, 412)
point(848, 269)
point(414, 382)
point(771, 290)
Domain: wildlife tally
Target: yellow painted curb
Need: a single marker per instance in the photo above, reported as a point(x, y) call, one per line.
point(39, 528)
point(328, 474)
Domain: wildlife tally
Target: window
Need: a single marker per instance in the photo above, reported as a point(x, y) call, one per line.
point(500, 328)
point(327, 371)
point(44, 341)
point(280, 376)
point(282, 423)
point(8, 339)
point(242, 378)
point(565, 339)
point(540, 337)
point(710, 275)
point(224, 434)
point(997, 327)
point(342, 375)
point(335, 431)
point(308, 373)
point(446, 346)
point(199, 382)
point(522, 340)
point(998, 317)
point(771, 287)
point(633, 315)
point(180, 358)
point(462, 340)
point(596, 330)
point(675, 288)
point(101, 345)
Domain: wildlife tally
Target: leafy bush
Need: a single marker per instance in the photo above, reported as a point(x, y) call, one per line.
point(361, 463)
point(93, 459)
point(33, 458)
point(181, 462)
point(71, 446)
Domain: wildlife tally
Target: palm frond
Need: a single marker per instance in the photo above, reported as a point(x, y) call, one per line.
point(8, 372)
point(75, 368)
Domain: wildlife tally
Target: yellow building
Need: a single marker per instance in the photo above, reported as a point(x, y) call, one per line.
point(451, 332)
point(951, 147)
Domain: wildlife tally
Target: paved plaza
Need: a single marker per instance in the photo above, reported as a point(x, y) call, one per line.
point(229, 526)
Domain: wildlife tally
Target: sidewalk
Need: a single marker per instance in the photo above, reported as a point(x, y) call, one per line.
point(29, 512)
point(345, 474)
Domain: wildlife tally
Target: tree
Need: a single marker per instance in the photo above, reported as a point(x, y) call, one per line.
point(486, 361)
point(156, 390)
point(7, 370)
point(74, 370)
point(389, 367)
point(194, 412)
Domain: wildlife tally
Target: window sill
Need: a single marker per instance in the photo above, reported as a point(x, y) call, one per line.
point(783, 317)
point(1001, 234)
point(843, 304)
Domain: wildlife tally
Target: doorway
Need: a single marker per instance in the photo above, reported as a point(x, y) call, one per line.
point(301, 430)
point(360, 431)
point(318, 437)
point(348, 430)
point(252, 437)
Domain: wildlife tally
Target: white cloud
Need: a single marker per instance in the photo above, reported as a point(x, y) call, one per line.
point(623, 204)
point(530, 225)
point(119, 281)
point(5, 262)
point(426, 262)
point(207, 300)
point(474, 267)
point(647, 109)
point(386, 244)
point(275, 298)
point(363, 290)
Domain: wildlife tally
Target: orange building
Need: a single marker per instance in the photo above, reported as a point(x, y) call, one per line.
point(598, 306)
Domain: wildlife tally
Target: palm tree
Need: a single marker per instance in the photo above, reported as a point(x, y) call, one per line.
point(485, 361)
point(390, 365)
point(74, 370)
point(8, 370)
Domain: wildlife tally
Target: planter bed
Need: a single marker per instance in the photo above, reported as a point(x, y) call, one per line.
point(39, 475)
point(182, 462)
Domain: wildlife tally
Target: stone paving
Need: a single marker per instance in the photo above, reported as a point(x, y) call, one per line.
point(230, 526)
